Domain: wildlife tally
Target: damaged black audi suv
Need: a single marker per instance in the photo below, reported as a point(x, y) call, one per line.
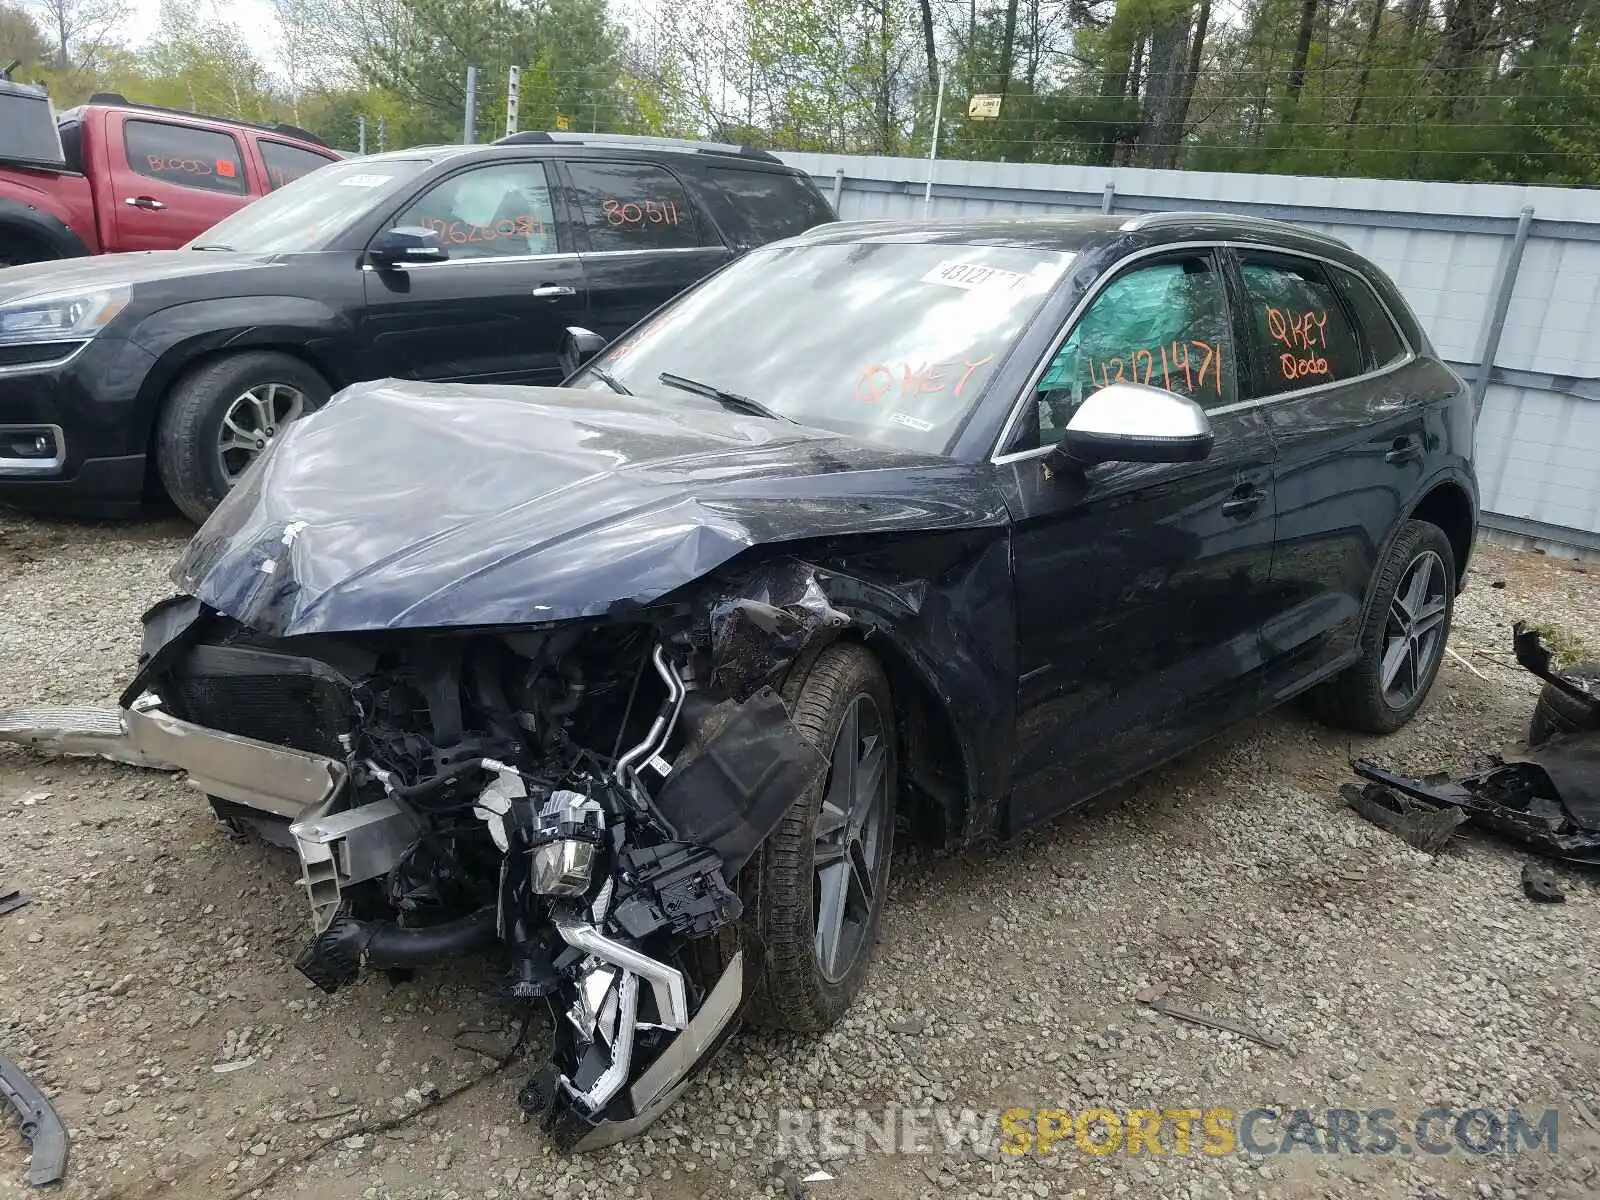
point(925, 530)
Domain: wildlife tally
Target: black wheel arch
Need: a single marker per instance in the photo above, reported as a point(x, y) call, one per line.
point(1448, 499)
point(184, 340)
point(24, 220)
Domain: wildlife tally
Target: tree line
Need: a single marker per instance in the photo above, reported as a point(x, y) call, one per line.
point(1493, 90)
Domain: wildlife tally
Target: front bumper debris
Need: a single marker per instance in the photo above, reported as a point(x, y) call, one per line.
point(272, 779)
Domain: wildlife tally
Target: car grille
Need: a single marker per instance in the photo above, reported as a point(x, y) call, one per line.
point(280, 698)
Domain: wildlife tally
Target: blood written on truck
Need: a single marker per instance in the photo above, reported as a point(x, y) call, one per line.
point(110, 175)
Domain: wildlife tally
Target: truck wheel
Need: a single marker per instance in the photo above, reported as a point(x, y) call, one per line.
point(815, 891)
point(1402, 641)
point(222, 415)
point(18, 248)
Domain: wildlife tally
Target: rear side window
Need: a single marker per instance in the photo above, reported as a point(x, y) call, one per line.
point(773, 204)
point(1302, 336)
point(635, 206)
point(285, 164)
point(1385, 346)
point(188, 157)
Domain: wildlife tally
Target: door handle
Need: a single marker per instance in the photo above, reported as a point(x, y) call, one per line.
point(149, 202)
point(553, 291)
point(1246, 498)
point(1406, 449)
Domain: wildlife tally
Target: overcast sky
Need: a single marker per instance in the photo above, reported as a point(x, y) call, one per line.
point(253, 18)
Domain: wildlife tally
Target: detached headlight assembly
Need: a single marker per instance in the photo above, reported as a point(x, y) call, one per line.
point(571, 829)
point(64, 318)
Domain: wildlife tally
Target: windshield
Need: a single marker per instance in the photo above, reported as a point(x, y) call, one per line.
point(302, 215)
point(889, 342)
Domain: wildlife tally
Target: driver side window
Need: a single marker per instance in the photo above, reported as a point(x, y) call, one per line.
point(1164, 324)
point(498, 211)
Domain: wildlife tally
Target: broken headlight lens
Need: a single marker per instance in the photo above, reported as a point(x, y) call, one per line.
point(566, 843)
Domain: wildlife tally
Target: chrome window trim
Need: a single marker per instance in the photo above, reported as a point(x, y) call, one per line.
point(1019, 406)
point(36, 466)
point(473, 262)
point(79, 345)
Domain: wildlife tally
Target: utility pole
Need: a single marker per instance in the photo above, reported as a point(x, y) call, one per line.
point(361, 133)
point(383, 134)
point(933, 149)
point(513, 98)
point(469, 122)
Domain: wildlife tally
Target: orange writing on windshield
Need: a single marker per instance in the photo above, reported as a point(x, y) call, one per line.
point(1302, 335)
point(878, 380)
point(1181, 366)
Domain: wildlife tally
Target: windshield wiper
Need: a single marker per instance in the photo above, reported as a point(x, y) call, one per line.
point(731, 400)
point(610, 380)
point(218, 246)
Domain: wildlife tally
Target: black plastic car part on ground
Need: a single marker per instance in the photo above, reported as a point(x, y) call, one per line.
point(40, 1125)
point(177, 368)
point(931, 529)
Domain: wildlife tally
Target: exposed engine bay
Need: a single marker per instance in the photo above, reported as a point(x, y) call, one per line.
point(580, 797)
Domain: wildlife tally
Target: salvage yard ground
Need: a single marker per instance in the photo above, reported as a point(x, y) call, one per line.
point(149, 985)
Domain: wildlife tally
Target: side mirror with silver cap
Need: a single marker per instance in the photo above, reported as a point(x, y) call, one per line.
point(1134, 422)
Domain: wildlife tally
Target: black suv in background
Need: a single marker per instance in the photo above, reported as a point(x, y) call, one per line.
point(447, 263)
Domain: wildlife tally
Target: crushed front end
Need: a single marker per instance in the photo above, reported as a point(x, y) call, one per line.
point(578, 798)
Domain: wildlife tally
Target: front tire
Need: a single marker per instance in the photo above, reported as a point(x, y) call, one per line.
point(1402, 639)
point(816, 890)
point(221, 416)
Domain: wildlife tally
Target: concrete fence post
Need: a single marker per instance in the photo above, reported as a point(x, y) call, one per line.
point(838, 189)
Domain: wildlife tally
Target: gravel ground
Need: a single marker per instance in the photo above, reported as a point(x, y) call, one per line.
point(156, 951)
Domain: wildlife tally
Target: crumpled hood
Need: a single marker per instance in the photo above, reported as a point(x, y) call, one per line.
point(408, 505)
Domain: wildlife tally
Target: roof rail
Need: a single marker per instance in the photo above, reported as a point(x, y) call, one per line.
point(286, 130)
point(632, 140)
point(1156, 220)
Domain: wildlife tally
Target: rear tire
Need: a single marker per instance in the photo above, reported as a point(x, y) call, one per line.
point(790, 885)
point(190, 435)
point(1389, 683)
point(1556, 712)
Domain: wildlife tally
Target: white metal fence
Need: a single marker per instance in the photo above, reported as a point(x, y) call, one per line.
point(1498, 274)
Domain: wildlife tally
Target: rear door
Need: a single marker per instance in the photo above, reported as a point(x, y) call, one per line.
point(498, 309)
point(644, 239)
point(1329, 370)
point(172, 182)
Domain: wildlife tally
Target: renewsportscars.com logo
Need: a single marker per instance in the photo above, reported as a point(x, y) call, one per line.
point(840, 1133)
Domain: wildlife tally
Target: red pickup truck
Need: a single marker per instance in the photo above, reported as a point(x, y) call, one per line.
point(110, 176)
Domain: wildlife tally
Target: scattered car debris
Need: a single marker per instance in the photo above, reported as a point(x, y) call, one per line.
point(41, 1125)
point(12, 900)
point(1194, 1017)
point(1539, 884)
point(1570, 701)
point(1417, 824)
point(817, 1177)
point(227, 1068)
point(1549, 800)
point(1547, 797)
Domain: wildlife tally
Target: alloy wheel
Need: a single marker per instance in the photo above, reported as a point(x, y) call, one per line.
point(1414, 632)
point(851, 854)
point(252, 421)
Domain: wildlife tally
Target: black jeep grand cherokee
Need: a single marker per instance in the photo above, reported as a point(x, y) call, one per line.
point(462, 263)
